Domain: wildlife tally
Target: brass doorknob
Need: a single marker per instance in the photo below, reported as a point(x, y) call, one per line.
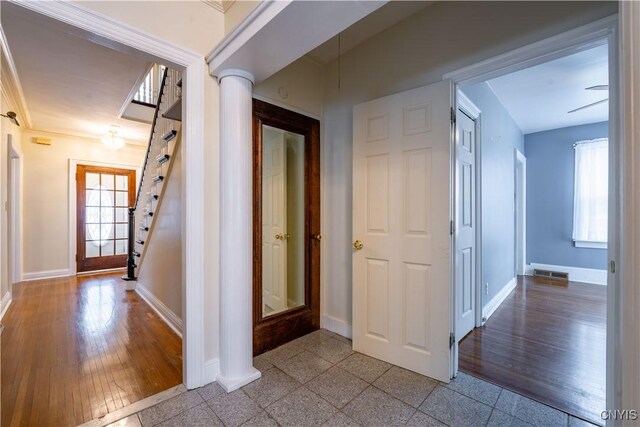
point(357, 245)
point(317, 237)
point(279, 236)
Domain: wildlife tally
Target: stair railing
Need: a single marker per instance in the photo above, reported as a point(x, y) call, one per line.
point(131, 262)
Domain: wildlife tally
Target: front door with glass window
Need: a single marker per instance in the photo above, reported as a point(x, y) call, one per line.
point(103, 196)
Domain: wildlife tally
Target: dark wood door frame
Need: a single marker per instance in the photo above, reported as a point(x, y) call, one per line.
point(278, 329)
point(99, 263)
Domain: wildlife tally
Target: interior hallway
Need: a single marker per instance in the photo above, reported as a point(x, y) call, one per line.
point(546, 341)
point(76, 348)
point(317, 380)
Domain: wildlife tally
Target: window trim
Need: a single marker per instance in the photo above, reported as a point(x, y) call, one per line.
point(590, 244)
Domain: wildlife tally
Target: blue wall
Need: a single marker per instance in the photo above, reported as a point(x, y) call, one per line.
point(550, 175)
point(500, 137)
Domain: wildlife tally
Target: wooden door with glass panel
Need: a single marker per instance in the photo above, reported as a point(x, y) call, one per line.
point(286, 197)
point(103, 197)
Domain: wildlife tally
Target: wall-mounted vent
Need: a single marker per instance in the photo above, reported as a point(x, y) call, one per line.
point(548, 274)
point(42, 141)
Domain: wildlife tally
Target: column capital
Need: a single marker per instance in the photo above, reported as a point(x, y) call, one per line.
point(237, 73)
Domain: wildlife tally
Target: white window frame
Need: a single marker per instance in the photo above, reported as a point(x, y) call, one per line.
point(582, 243)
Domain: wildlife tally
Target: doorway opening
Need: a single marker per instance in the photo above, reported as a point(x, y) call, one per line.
point(103, 196)
point(540, 274)
point(77, 128)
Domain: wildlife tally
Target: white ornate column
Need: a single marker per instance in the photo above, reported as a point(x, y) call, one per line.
point(236, 231)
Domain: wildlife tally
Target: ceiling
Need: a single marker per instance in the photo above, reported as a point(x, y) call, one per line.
point(539, 98)
point(372, 24)
point(70, 84)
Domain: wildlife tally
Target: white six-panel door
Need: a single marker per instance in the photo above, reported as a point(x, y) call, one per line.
point(401, 215)
point(274, 217)
point(465, 224)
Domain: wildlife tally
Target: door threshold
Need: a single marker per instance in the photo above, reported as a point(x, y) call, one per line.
point(108, 270)
point(135, 407)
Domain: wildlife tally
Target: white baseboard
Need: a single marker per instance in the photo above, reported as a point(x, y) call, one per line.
point(576, 274)
point(211, 370)
point(498, 299)
point(48, 274)
point(5, 303)
point(338, 326)
point(168, 316)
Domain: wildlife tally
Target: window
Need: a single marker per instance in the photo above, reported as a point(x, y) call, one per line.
point(591, 187)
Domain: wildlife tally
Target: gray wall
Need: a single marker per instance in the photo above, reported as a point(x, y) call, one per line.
point(500, 136)
point(550, 176)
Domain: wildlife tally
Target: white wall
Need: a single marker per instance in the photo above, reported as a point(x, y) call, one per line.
point(46, 195)
point(160, 271)
point(418, 51)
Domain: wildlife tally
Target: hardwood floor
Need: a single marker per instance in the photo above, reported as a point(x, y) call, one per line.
point(76, 348)
point(546, 341)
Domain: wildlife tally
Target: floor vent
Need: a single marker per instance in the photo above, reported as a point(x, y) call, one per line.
point(548, 274)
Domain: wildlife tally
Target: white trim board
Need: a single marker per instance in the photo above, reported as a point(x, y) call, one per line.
point(47, 274)
point(572, 41)
point(576, 274)
point(168, 316)
point(7, 299)
point(15, 189)
point(498, 299)
point(338, 326)
point(135, 407)
point(211, 370)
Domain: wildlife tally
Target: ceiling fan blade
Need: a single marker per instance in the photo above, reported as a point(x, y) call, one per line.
point(589, 105)
point(597, 87)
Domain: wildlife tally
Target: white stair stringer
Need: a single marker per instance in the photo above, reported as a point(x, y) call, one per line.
point(151, 189)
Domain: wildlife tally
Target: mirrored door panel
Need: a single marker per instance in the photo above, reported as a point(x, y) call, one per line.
point(283, 217)
point(286, 225)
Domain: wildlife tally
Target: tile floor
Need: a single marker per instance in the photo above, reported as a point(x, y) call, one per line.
point(317, 380)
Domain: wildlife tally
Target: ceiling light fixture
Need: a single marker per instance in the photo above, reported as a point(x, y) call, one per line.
point(11, 116)
point(112, 141)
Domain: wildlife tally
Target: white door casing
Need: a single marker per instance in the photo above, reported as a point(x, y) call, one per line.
point(274, 219)
point(520, 199)
point(401, 214)
point(465, 223)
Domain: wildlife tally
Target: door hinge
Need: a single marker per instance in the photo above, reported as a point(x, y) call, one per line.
point(452, 227)
point(453, 116)
point(452, 339)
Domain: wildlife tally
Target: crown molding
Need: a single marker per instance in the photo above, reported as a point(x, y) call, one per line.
point(220, 5)
point(12, 87)
point(115, 31)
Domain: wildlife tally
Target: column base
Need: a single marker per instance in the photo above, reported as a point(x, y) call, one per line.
point(232, 384)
